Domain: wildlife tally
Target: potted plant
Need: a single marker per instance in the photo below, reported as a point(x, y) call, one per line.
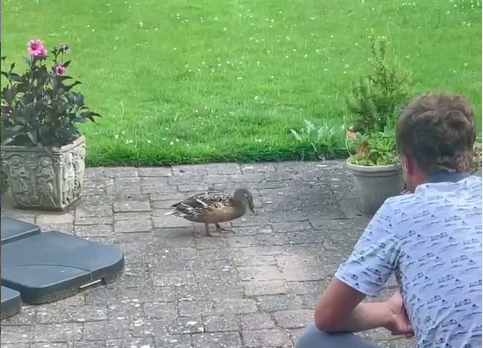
point(43, 152)
point(374, 103)
point(376, 169)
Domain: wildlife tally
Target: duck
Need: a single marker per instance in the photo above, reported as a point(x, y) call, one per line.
point(214, 208)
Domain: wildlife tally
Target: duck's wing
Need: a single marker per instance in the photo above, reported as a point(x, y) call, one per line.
point(202, 203)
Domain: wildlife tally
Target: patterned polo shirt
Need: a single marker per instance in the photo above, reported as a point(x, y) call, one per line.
point(432, 241)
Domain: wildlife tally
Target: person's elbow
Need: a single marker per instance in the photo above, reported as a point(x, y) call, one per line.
point(324, 320)
point(335, 306)
point(322, 324)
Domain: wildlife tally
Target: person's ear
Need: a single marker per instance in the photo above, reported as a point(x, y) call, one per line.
point(408, 165)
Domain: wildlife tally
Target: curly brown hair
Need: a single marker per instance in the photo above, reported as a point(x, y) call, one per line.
point(438, 132)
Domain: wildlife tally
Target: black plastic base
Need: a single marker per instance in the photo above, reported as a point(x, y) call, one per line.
point(13, 230)
point(53, 265)
point(11, 302)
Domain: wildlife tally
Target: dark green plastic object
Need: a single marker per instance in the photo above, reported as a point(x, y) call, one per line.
point(13, 229)
point(11, 302)
point(53, 265)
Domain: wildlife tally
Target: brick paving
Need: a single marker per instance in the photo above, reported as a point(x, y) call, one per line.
point(255, 287)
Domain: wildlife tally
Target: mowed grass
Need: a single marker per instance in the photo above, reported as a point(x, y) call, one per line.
point(179, 81)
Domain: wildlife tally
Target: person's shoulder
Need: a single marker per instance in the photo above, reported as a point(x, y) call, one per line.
point(472, 188)
point(407, 211)
point(473, 183)
point(474, 179)
point(393, 212)
point(451, 193)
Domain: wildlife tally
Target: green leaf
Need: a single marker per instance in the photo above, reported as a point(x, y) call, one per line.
point(8, 94)
point(310, 127)
point(80, 119)
point(89, 115)
point(62, 78)
point(69, 87)
point(322, 132)
point(65, 122)
point(77, 98)
point(296, 135)
point(64, 107)
point(33, 137)
point(21, 120)
point(14, 77)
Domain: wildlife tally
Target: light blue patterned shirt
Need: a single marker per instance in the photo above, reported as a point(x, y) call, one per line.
point(431, 240)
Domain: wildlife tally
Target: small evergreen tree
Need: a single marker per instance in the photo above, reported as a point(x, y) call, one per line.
point(377, 99)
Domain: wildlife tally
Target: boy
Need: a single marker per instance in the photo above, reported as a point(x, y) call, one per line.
point(430, 239)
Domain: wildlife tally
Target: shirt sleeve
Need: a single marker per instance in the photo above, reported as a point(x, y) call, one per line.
point(375, 256)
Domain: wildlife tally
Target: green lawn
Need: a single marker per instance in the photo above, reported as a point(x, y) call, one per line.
point(179, 81)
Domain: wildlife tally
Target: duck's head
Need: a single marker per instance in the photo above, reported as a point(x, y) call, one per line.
point(244, 196)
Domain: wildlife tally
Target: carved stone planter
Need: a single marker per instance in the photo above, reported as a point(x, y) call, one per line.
point(45, 179)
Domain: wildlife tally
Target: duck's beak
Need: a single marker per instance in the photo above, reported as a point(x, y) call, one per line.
point(251, 206)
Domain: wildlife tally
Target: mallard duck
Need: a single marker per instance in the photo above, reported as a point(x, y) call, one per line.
point(214, 207)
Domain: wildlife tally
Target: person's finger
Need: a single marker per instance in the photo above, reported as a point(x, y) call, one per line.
point(402, 333)
point(403, 327)
point(404, 320)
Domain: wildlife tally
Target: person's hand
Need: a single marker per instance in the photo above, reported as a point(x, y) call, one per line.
point(398, 322)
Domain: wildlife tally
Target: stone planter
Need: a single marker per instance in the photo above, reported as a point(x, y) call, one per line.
point(45, 179)
point(375, 184)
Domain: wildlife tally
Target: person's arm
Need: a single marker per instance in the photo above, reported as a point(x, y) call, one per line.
point(370, 265)
point(340, 310)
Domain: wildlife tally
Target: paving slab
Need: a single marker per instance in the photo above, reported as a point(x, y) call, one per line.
point(252, 288)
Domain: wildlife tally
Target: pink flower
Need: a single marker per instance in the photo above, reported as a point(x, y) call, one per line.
point(36, 48)
point(59, 69)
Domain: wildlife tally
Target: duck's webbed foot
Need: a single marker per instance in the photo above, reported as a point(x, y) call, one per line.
point(222, 229)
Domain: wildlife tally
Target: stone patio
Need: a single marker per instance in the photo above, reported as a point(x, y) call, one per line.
point(256, 287)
